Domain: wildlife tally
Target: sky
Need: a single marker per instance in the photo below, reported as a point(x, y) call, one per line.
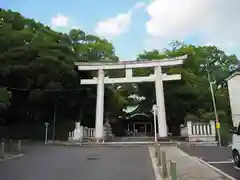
point(134, 25)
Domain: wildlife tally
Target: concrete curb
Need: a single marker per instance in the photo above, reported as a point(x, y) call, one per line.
point(112, 144)
point(154, 163)
point(198, 143)
point(106, 144)
point(12, 157)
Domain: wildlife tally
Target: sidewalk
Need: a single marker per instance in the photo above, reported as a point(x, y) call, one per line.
point(189, 168)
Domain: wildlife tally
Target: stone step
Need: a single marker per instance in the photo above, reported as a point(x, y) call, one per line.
point(214, 143)
point(134, 139)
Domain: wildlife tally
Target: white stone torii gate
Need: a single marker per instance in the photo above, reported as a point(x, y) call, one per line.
point(158, 77)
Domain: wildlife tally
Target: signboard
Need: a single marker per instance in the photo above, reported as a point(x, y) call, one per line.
point(218, 125)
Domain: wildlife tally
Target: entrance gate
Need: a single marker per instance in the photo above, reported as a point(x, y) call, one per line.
point(158, 77)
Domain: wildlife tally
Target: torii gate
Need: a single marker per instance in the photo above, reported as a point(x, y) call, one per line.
point(158, 77)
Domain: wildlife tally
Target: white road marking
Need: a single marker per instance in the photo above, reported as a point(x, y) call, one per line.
point(12, 157)
point(154, 163)
point(216, 169)
point(220, 162)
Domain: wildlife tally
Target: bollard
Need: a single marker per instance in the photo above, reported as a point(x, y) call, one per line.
point(173, 170)
point(2, 151)
point(10, 145)
point(19, 146)
point(159, 156)
point(178, 144)
point(156, 150)
point(164, 164)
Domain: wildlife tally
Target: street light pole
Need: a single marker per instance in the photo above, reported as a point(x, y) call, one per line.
point(155, 122)
point(214, 107)
point(54, 121)
point(46, 132)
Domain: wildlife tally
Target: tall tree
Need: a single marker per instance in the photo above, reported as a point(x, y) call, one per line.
point(37, 67)
point(190, 98)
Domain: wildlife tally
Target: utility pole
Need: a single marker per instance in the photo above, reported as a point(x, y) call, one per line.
point(54, 120)
point(217, 125)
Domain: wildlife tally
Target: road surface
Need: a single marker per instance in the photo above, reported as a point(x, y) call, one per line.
point(85, 163)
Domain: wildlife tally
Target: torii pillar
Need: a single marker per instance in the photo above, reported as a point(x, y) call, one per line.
point(99, 106)
point(161, 114)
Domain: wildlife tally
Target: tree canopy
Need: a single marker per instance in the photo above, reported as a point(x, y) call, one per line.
point(190, 98)
point(37, 71)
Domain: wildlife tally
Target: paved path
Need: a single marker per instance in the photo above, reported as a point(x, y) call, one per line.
point(189, 168)
point(219, 157)
point(85, 163)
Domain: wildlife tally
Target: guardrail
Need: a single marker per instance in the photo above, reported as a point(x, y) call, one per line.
point(168, 169)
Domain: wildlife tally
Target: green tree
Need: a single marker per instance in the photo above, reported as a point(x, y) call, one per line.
point(37, 65)
point(190, 98)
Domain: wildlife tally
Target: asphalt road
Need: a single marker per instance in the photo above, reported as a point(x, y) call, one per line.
point(85, 163)
point(219, 157)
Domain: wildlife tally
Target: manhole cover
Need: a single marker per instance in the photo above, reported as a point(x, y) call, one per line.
point(93, 157)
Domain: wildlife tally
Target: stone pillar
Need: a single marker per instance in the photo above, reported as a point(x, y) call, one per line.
point(78, 132)
point(100, 106)
point(189, 128)
point(162, 124)
point(213, 128)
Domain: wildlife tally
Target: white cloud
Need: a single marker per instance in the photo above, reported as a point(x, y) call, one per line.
point(215, 21)
point(60, 21)
point(117, 25)
point(114, 26)
point(64, 24)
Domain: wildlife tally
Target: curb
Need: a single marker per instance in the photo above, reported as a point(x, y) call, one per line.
point(198, 144)
point(103, 145)
point(154, 164)
point(11, 157)
point(114, 144)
